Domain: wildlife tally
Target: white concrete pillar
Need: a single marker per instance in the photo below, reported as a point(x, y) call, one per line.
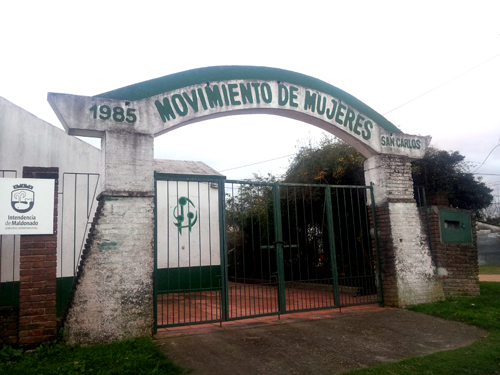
point(114, 296)
point(409, 275)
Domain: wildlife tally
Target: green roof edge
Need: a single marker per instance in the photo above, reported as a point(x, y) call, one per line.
point(157, 86)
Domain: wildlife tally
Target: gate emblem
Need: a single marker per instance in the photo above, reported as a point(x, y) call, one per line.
point(192, 217)
point(22, 198)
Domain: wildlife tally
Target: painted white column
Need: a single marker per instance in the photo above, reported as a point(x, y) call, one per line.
point(409, 275)
point(114, 296)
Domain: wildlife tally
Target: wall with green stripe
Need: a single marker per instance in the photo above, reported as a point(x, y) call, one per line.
point(188, 278)
point(9, 294)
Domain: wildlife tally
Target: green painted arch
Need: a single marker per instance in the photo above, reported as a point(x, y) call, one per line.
point(157, 86)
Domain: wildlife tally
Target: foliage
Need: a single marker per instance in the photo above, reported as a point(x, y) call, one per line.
point(482, 357)
point(336, 163)
point(446, 171)
point(331, 162)
point(8, 354)
point(139, 356)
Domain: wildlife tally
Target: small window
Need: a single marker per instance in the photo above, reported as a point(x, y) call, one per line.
point(450, 224)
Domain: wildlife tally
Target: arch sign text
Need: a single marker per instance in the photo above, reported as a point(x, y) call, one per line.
point(166, 103)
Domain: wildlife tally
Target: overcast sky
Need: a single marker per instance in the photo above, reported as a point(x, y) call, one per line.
point(385, 53)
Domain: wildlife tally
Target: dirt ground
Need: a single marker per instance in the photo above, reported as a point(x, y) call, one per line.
point(324, 346)
point(489, 277)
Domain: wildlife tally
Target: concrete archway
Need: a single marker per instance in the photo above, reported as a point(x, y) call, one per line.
point(128, 119)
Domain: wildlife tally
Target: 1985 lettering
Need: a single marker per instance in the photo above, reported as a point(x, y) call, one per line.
point(118, 114)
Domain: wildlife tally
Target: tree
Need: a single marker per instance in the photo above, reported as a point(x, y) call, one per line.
point(331, 162)
point(335, 162)
point(447, 172)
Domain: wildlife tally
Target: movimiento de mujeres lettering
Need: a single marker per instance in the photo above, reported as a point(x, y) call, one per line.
point(234, 94)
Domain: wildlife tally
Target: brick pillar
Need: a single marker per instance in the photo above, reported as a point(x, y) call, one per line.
point(409, 275)
point(457, 263)
point(37, 287)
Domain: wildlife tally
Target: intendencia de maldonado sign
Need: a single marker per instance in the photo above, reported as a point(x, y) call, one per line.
point(26, 206)
point(334, 111)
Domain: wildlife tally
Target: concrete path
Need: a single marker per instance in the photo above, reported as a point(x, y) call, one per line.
point(329, 345)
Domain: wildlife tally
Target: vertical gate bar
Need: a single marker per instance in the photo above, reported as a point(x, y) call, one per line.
point(168, 253)
point(263, 291)
point(198, 302)
point(269, 292)
point(290, 292)
point(323, 282)
point(361, 278)
point(252, 244)
point(242, 208)
point(74, 227)
point(347, 237)
point(340, 233)
point(178, 261)
point(381, 289)
point(278, 238)
point(306, 245)
point(355, 280)
point(368, 240)
point(331, 245)
point(188, 183)
point(298, 242)
point(315, 254)
point(223, 251)
point(155, 297)
point(209, 184)
point(62, 232)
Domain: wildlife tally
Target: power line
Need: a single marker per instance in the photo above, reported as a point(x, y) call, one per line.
point(488, 155)
point(260, 162)
point(425, 93)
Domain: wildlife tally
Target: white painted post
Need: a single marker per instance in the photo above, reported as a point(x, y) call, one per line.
point(408, 273)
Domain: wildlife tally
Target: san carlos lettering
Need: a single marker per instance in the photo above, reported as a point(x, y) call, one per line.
point(217, 96)
point(400, 142)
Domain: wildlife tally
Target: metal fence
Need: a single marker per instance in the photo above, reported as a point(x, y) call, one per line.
point(189, 243)
point(283, 248)
point(77, 204)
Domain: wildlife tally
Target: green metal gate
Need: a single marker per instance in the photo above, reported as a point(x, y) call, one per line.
point(189, 249)
point(282, 248)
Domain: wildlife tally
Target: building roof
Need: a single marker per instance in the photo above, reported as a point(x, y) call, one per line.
point(184, 167)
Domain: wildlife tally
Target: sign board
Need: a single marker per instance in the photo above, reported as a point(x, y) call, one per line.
point(164, 104)
point(26, 206)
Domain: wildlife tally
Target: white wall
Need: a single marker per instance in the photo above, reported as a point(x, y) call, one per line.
point(26, 140)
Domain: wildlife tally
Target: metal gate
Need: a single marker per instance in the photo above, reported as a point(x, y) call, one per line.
point(189, 255)
point(281, 248)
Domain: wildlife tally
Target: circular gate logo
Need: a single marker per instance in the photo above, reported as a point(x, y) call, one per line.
point(179, 216)
point(22, 198)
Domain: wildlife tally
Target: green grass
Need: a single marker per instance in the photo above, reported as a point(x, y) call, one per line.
point(489, 270)
point(482, 357)
point(140, 356)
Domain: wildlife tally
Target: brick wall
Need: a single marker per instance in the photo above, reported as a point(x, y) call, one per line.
point(457, 264)
point(37, 287)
